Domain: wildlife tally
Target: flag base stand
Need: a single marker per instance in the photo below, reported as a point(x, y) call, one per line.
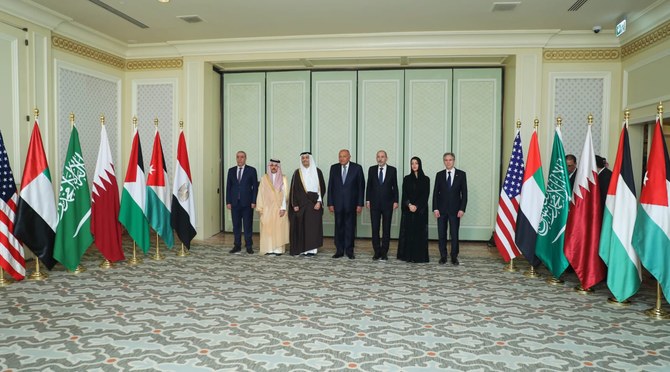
point(510, 268)
point(182, 252)
point(583, 291)
point(531, 273)
point(4, 282)
point(613, 301)
point(158, 256)
point(657, 313)
point(134, 260)
point(554, 281)
point(106, 264)
point(80, 269)
point(37, 274)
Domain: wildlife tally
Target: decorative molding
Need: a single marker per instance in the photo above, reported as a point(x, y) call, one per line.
point(75, 47)
point(83, 50)
point(154, 64)
point(655, 36)
point(582, 55)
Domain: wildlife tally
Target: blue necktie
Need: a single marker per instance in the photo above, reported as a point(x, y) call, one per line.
point(448, 180)
point(381, 175)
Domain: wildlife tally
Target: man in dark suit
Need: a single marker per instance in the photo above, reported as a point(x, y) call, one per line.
point(381, 199)
point(346, 191)
point(571, 164)
point(450, 197)
point(604, 178)
point(241, 190)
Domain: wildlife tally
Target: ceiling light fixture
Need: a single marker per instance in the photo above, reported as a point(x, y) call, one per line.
point(163, 1)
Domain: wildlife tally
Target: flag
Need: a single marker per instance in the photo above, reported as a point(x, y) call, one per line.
point(73, 235)
point(36, 218)
point(551, 232)
point(651, 236)
point(508, 203)
point(183, 206)
point(624, 273)
point(105, 224)
point(12, 259)
point(530, 203)
point(582, 233)
point(131, 214)
point(158, 195)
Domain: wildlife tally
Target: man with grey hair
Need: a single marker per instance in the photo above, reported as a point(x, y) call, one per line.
point(450, 197)
point(381, 198)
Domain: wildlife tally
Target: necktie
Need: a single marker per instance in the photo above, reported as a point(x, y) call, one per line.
point(344, 173)
point(239, 174)
point(381, 175)
point(448, 179)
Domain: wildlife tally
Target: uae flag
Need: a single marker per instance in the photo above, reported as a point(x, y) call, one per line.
point(105, 224)
point(551, 232)
point(651, 236)
point(508, 204)
point(36, 218)
point(183, 206)
point(530, 203)
point(133, 197)
point(158, 194)
point(582, 233)
point(73, 235)
point(12, 259)
point(624, 273)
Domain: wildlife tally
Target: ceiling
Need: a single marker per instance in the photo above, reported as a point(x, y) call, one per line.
point(225, 19)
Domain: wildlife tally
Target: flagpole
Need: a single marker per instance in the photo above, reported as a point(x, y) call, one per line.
point(80, 268)
point(105, 264)
point(531, 272)
point(552, 280)
point(182, 252)
point(135, 260)
point(657, 312)
point(510, 266)
point(158, 256)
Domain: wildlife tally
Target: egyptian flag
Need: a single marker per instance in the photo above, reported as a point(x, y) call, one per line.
point(105, 224)
point(158, 195)
point(183, 206)
point(36, 218)
point(131, 214)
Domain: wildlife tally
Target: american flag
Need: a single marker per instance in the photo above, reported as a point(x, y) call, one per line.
point(12, 258)
point(508, 204)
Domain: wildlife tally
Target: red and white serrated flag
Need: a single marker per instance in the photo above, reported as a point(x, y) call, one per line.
point(12, 258)
point(105, 225)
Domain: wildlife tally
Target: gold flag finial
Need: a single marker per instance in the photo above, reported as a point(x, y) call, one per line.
point(156, 122)
point(36, 111)
point(626, 114)
point(589, 119)
point(181, 124)
point(134, 121)
point(102, 119)
point(536, 123)
point(72, 119)
point(518, 123)
point(660, 108)
point(559, 121)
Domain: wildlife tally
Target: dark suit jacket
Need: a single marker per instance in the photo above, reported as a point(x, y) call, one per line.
point(245, 190)
point(450, 201)
point(346, 197)
point(604, 178)
point(382, 196)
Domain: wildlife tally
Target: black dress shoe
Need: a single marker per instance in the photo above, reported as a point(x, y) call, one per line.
point(384, 258)
point(235, 250)
point(454, 261)
point(375, 257)
point(443, 260)
point(338, 255)
point(250, 251)
point(351, 256)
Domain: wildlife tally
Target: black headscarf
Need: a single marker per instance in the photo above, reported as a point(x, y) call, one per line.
point(420, 170)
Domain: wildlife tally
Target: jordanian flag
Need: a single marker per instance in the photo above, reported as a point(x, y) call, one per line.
point(105, 224)
point(133, 198)
point(651, 237)
point(551, 232)
point(36, 218)
point(158, 194)
point(183, 206)
point(530, 203)
point(624, 273)
point(73, 236)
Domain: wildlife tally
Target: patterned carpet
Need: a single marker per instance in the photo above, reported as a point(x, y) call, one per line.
point(213, 311)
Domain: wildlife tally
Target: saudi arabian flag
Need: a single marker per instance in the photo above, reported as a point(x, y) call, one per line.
point(73, 235)
point(551, 233)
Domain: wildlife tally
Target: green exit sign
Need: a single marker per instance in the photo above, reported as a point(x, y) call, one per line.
point(620, 28)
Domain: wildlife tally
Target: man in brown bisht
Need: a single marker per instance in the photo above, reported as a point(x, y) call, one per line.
point(306, 207)
point(271, 206)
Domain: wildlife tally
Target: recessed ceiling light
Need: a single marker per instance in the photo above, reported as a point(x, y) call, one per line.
point(163, 1)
